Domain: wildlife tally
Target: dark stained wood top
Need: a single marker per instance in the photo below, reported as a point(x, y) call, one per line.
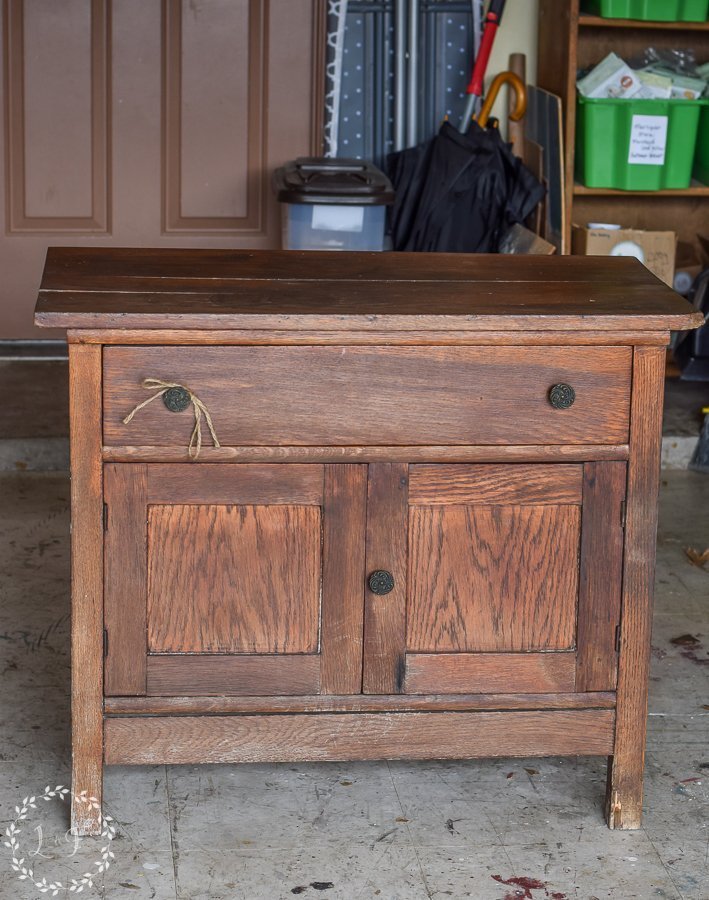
point(277, 289)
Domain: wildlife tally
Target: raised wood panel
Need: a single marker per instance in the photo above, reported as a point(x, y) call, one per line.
point(461, 673)
point(485, 578)
point(499, 485)
point(373, 395)
point(215, 153)
point(57, 63)
point(289, 674)
point(233, 579)
point(342, 736)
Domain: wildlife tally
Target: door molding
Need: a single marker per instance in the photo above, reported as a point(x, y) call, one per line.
point(17, 118)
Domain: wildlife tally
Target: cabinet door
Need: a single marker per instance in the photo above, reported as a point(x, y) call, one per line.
point(506, 578)
point(234, 579)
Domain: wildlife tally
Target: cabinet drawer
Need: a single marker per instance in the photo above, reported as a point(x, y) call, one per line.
point(369, 396)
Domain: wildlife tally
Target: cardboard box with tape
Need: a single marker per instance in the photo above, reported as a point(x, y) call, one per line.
point(656, 249)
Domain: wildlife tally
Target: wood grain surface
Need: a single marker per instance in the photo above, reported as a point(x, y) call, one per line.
point(601, 575)
point(196, 705)
point(499, 485)
point(271, 337)
point(342, 736)
point(264, 485)
point(216, 289)
point(625, 774)
point(86, 586)
point(507, 453)
point(265, 675)
point(385, 615)
point(126, 578)
point(458, 673)
point(343, 577)
point(233, 579)
point(492, 578)
point(70, 268)
point(372, 395)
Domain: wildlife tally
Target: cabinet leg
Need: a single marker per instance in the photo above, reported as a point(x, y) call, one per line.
point(86, 587)
point(624, 793)
point(87, 796)
point(625, 772)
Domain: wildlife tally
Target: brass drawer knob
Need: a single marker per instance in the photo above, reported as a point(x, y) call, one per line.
point(381, 582)
point(562, 396)
point(176, 399)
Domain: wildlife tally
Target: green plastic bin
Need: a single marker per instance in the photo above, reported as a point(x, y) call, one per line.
point(619, 143)
point(653, 10)
point(701, 158)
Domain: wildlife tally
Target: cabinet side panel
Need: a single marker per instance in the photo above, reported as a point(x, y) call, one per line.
point(625, 784)
point(126, 578)
point(342, 627)
point(87, 583)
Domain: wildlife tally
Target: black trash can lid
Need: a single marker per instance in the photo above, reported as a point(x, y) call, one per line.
point(315, 179)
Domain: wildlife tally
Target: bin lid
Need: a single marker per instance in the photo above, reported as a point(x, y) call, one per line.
point(315, 179)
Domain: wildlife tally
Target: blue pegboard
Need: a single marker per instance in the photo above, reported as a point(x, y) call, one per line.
point(366, 115)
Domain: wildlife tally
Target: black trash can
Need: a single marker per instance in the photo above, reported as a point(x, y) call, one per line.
point(332, 204)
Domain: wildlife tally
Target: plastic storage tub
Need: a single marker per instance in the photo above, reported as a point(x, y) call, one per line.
point(332, 204)
point(701, 159)
point(636, 145)
point(653, 10)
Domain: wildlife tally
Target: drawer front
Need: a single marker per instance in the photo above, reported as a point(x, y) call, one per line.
point(372, 396)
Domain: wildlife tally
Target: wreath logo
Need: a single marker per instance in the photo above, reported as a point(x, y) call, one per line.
point(25, 870)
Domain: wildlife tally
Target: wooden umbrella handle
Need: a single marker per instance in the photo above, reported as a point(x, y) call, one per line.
point(520, 97)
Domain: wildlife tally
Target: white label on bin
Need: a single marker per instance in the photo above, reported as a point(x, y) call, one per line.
point(330, 217)
point(648, 139)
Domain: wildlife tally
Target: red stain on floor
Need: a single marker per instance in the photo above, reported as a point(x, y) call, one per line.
point(524, 887)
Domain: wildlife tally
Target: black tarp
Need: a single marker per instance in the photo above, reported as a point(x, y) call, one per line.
point(459, 193)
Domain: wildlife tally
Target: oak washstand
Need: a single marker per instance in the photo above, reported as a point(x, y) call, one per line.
point(427, 530)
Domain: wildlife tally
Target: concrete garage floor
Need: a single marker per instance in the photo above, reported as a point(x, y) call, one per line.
point(490, 830)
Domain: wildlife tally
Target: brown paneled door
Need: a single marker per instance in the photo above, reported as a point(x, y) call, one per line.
point(148, 125)
point(485, 578)
point(234, 579)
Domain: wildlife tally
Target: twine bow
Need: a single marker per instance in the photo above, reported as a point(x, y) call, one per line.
point(200, 409)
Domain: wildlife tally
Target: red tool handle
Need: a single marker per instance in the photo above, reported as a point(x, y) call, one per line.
point(492, 22)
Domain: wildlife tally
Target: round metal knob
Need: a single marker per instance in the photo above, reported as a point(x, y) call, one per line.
point(176, 399)
point(381, 582)
point(561, 396)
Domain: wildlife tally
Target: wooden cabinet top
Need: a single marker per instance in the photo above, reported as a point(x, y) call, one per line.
point(128, 288)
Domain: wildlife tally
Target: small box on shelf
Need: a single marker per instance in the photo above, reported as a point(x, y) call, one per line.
point(655, 249)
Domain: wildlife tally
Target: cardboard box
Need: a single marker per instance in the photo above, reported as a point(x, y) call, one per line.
point(656, 249)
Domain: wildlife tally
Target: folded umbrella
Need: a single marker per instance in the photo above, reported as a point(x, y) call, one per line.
point(459, 193)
